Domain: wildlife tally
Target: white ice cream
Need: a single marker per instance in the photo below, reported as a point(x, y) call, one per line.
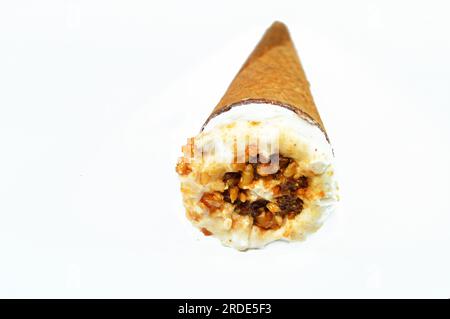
point(298, 138)
point(274, 113)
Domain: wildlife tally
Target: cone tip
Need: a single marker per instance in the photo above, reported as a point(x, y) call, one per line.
point(278, 24)
point(278, 30)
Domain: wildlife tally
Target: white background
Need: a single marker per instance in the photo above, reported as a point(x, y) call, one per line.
point(96, 98)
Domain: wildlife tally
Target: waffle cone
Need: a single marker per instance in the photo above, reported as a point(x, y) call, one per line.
point(272, 74)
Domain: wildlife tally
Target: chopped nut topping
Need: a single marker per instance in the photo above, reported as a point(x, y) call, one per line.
point(247, 176)
point(234, 191)
point(273, 207)
point(205, 231)
point(204, 178)
point(267, 169)
point(276, 190)
point(278, 219)
point(212, 201)
point(265, 220)
point(290, 186)
point(242, 197)
point(183, 168)
point(290, 169)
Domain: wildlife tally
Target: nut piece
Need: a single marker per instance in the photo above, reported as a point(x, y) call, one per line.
point(234, 191)
point(265, 220)
point(276, 190)
point(204, 178)
point(183, 168)
point(242, 197)
point(267, 169)
point(218, 186)
point(273, 207)
point(290, 170)
point(205, 231)
point(278, 219)
point(247, 176)
point(212, 201)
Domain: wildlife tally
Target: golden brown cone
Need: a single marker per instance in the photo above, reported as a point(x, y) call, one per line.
point(272, 74)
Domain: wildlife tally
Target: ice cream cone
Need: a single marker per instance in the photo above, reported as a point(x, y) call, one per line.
point(246, 201)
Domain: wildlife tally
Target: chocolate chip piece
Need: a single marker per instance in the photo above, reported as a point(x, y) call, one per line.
point(231, 178)
point(291, 185)
point(284, 162)
point(226, 196)
point(289, 204)
point(242, 208)
point(257, 207)
point(254, 208)
point(303, 181)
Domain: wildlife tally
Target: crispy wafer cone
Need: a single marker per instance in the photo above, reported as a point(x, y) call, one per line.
point(272, 74)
